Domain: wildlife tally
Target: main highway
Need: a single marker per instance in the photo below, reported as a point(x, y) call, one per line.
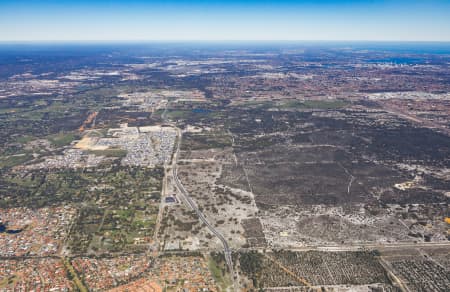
point(188, 200)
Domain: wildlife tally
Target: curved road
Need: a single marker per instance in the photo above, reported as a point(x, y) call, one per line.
point(201, 216)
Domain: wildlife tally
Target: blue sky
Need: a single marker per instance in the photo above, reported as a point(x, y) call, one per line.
point(414, 20)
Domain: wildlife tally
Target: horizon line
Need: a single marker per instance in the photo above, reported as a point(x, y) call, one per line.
point(220, 40)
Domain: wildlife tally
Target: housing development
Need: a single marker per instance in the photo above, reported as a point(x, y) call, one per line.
point(256, 167)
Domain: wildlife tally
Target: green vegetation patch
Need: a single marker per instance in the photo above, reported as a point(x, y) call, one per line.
point(24, 139)
point(219, 270)
point(178, 114)
point(113, 230)
point(116, 186)
point(8, 281)
point(14, 160)
point(314, 104)
point(62, 139)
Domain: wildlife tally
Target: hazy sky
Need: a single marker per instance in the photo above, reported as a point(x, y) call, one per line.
point(425, 20)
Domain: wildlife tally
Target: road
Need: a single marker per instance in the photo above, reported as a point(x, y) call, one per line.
point(188, 200)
